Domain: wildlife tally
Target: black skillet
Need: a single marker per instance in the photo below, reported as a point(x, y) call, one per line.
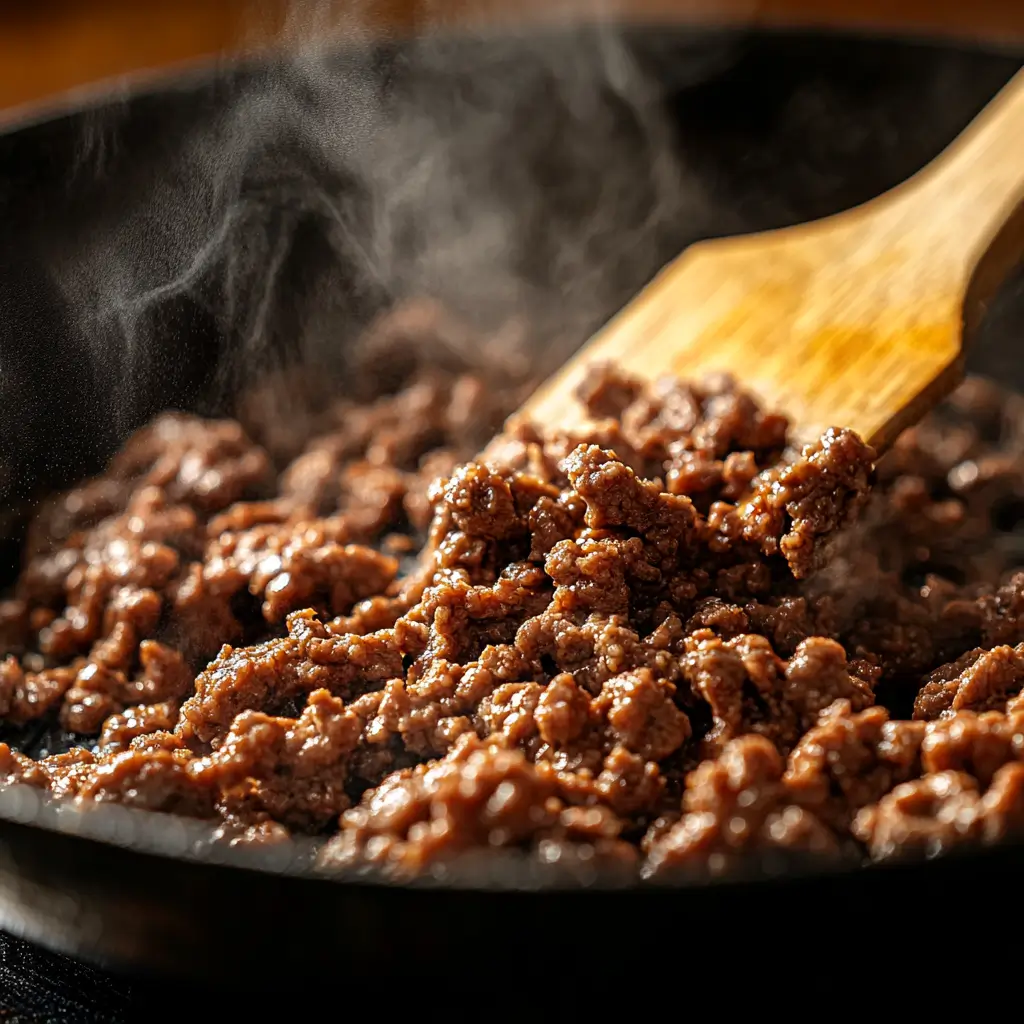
point(102, 206)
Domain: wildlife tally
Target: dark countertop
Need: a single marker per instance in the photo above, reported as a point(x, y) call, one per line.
point(37, 985)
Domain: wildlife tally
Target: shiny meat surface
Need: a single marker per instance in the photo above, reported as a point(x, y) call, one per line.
point(667, 640)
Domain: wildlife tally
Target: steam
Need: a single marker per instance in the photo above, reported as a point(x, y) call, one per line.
point(530, 184)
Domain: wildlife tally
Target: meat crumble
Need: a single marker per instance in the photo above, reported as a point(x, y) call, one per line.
point(668, 639)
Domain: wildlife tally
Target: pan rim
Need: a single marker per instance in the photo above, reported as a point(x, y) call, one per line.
point(104, 822)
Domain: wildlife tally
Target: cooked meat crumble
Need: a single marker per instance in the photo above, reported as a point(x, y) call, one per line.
point(665, 640)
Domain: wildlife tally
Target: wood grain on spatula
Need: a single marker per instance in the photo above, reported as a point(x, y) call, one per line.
point(858, 320)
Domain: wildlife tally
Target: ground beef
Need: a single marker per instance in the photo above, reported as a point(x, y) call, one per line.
point(664, 640)
point(977, 681)
point(733, 804)
point(478, 795)
point(848, 761)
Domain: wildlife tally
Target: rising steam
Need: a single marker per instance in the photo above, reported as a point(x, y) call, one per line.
point(526, 181)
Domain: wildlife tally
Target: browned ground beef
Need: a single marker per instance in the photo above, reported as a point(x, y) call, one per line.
point(664, 640)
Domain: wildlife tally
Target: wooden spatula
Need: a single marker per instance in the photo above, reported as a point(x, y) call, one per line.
point(858, 320)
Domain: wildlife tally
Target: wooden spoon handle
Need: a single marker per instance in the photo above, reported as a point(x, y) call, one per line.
point(965, 209)
point(857, 320)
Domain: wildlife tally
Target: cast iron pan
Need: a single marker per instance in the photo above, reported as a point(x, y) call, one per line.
point(105, 205)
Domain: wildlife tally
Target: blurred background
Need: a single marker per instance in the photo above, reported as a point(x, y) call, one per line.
point(49, 47)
